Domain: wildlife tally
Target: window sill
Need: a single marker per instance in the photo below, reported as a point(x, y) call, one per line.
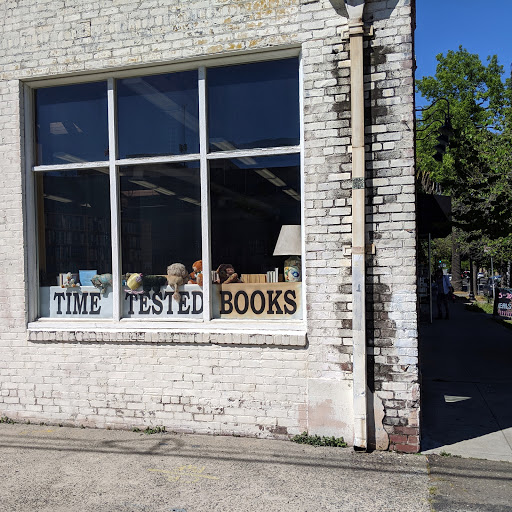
point(217, 332)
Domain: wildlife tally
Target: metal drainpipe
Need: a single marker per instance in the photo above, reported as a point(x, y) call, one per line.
point(356, 31)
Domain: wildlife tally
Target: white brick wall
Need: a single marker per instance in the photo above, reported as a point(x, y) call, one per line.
point(211, 382)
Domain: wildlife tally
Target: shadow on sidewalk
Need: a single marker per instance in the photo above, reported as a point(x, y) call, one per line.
point(465, 366)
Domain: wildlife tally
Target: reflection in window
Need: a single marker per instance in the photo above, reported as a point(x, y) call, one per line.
point(158, 115)
point(74, 237)
point(160, 217)
point(254, 105)
point(71, 124)
point(251, 198)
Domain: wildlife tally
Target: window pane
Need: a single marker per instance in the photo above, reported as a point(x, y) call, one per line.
point(160, 225)
point(254, 105)
point(158, 115)
point(74, 236)
point(251, 199)
point(71, 124)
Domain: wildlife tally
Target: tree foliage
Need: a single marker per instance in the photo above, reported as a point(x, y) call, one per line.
point(476, 170)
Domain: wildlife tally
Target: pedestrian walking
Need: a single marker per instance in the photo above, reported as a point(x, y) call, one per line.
point(443, 286)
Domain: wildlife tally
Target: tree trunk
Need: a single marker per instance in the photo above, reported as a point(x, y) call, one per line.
point(474, 273)
point(456, 277)
point(508, 273)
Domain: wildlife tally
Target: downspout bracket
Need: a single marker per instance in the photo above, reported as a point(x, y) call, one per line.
point(368, 31)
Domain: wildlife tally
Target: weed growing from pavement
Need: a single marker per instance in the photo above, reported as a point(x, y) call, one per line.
point(151, 430)
point(432, 491)
point(5, 419)
point(316, 440)
point(448, 454)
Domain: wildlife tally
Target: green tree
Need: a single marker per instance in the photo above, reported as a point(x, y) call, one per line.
point(476, 169)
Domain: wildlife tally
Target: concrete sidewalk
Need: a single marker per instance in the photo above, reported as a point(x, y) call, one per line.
point(466, 386)
point(61, 469)
point(52, 469)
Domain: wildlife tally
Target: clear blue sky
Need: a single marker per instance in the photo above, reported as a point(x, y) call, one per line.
point(480, 26)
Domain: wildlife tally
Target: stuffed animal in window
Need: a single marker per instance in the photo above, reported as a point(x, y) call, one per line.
point(69, 281)
point(102, 281)
point(153, 283)
point(140, 284)
point(134, 282)
point(196, 276)
point(227, 274)
point(176, 276)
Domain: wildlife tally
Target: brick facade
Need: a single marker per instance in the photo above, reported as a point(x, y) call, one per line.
point(254, 383)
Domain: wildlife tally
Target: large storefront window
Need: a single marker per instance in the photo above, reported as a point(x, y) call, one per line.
point(171, 197)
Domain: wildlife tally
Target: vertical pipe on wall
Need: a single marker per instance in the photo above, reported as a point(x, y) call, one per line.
point(356, 32)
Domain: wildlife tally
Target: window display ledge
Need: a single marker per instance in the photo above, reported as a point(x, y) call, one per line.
point(37, 332)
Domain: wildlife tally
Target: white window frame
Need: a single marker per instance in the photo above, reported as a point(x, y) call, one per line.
point(113, 164)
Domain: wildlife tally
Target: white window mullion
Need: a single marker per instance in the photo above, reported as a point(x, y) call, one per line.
point(302, 187)
point(115, 221)
point(205, 196)
point(31, 207)
point(159, 159)
point(72, 167)
point(255, 153)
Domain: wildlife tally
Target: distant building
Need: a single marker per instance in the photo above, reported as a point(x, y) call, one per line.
point(269, 138)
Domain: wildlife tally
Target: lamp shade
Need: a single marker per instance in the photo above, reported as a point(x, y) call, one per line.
point(288, 242)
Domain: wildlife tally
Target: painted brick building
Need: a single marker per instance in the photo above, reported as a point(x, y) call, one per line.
point(138, 134)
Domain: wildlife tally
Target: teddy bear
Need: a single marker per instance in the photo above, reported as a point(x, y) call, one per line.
point(69, 281)
point(227, 274)
point(176, 276)
point(196, 276)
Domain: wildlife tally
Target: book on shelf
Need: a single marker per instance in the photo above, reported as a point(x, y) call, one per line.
point(86, 276)
point(254, 278)
point(273, 276)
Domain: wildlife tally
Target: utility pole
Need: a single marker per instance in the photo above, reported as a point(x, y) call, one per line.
point(471, 282)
